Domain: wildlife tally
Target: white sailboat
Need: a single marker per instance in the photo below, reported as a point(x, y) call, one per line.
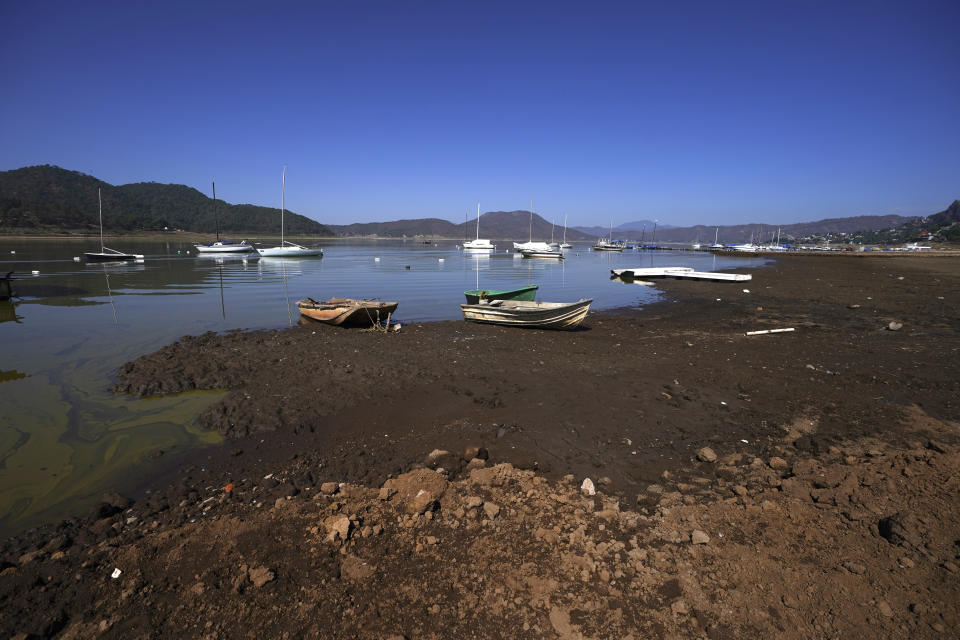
point(565, 244)
point(716, 244)
point(288, 249)
point(530, 245)
point(480, 245)
point(222, 246)
point(106, 254)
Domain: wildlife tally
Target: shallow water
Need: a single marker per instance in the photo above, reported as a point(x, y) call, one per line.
point(64, 438)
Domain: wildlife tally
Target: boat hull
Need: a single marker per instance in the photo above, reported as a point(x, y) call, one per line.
point(112, 257)
point(219, 247)
point(523, 293)
point(480, 244)
point(290, 252)
point(555, 255)
point(534, 315)
point(347, 311)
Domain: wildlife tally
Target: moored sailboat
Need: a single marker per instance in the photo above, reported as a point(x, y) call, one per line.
point(480, 245)
point(107, 254)
point(288, 249)
point(222, 246)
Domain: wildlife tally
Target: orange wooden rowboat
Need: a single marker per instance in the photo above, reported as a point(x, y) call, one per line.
point(347, 311)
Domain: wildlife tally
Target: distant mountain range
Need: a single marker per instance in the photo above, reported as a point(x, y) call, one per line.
point(626, 228)
point(50, 199)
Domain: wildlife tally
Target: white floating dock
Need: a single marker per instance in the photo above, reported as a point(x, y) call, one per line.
point(680, 272)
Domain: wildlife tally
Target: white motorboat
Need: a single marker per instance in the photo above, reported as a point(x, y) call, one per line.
point(288, 249)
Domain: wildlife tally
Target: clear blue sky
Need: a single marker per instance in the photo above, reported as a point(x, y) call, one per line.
point(686, 112)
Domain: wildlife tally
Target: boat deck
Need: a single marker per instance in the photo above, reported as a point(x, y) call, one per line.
point(681, 273)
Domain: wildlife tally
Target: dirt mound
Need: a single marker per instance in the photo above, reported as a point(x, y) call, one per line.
point(858, 543)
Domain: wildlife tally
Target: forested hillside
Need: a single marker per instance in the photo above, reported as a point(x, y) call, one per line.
point(51, 199)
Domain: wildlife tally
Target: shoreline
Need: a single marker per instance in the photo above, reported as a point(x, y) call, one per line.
point(191, 236)
point(628, 402)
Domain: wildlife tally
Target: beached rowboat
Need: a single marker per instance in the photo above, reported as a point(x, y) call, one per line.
point(474, 296)
point(347, 311)
point(521, 313)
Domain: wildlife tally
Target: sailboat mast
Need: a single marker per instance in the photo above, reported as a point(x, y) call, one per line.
point(564, 228)
point(216, 218)
point(100, 203)
point(478, 221)
point(283, 190)
point(531, 220)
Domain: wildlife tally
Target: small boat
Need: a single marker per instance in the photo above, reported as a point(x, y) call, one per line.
point(480, 245)
point(608, 244)
point(533, 253)
point(222, 246)
point(530, 245)
point(565, 244)
point(288, 249)
point(347, 311)
point(474, 296)
point(107, 254)
point(520, 313)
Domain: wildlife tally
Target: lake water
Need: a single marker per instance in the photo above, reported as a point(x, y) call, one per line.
point(64, 438)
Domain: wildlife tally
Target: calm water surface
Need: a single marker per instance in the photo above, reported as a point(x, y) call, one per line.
point(64, 438)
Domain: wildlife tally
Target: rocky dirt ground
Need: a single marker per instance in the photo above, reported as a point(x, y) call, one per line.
point(657, 474)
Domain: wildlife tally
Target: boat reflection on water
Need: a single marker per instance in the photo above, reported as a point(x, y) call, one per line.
point(229, 257)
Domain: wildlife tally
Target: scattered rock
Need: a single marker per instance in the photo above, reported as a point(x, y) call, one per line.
point(587, 488)
point(854, 567)
point(706, 454)
point(680, 608)
point(699, 537)
point(329, 488)
point(778, 464)
point(491, 509)
point(884, 609)
point(895, 326)
point(386, 493)
point(473, 452)
point(356, 568)
point(338, 528)
point(422, 502)
point(436, 454)
point(261, 576)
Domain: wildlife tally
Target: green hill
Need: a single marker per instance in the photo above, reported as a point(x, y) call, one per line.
point(50, 199)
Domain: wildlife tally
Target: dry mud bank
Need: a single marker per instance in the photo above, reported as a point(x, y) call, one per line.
point(427, 484)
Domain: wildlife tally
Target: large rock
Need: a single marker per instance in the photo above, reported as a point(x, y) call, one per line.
point(419, 489)
point(707, 454)
point(699, 537)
